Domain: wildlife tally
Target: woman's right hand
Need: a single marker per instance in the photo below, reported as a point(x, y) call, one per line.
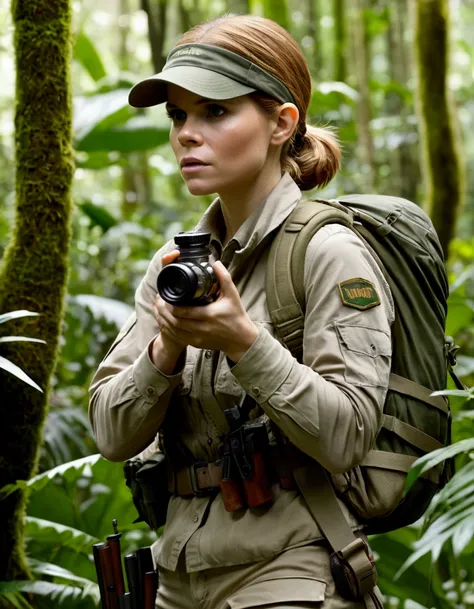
point(165, 350)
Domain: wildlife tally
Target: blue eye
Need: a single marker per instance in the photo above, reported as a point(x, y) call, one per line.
point(215, 110)
point(176, 115)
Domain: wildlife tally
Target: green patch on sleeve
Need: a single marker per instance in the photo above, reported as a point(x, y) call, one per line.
point(358, 293)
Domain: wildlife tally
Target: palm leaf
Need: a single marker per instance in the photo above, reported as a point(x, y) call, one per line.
point(69, 471)
point(15, 599)
point(12, 368)
point(451, 518)
point(45, 531)
point(16, 314)
point(11, 339)
point(435, 457)
point(51, 570)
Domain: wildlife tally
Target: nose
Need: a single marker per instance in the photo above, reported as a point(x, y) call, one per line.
point(190, 133)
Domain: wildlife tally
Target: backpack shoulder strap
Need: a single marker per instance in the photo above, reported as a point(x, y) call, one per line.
point(286, 303)
point(285, 270)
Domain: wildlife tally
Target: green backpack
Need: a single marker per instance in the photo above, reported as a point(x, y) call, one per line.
point(403, 241)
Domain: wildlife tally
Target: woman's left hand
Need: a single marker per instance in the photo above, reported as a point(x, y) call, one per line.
point(223, 325)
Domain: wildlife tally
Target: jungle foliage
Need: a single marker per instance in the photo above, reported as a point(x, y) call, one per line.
point(129, 199)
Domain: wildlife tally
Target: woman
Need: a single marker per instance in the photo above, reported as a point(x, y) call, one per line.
point(237, 91)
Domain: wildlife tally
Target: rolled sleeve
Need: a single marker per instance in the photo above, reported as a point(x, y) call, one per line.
point(150, 381)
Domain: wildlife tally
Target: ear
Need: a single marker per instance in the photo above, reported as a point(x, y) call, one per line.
point(286, 122)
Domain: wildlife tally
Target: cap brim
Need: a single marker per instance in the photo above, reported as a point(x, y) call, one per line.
point(153, 91)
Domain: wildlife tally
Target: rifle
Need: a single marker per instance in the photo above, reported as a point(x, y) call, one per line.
point(142, 578)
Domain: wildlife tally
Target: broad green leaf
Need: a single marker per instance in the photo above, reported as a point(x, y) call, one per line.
point(12, 368)
point(394, 549)
point(44, 531)
point(13, 339)
point(98, 215)
point(460, 314)
point(70, 471)
point(138, 134)
point(59, 593)
point(112, 310)
point(97, 160)
point(16, 314)
point(437, 456)
point(338, 87)
point(101, 112)
point(87, 55)
point(46, 568)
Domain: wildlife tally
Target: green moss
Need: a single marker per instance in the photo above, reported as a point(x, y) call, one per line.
point(440, 140)
point(35, 264)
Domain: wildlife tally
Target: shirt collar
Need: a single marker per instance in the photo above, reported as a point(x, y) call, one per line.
point(267, 217)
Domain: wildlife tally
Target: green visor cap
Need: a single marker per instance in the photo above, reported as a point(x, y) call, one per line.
point(208, 71)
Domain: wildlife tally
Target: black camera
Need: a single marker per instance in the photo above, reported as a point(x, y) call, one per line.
point(190, 280)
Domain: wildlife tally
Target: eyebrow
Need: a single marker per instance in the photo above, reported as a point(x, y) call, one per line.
point(200, 102)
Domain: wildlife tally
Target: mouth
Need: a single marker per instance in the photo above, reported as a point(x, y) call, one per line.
point(192, 165)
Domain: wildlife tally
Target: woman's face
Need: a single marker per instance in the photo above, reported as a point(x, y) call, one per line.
point(221, 146)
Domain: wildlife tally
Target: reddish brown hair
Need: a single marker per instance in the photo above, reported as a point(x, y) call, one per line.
point(312, 156)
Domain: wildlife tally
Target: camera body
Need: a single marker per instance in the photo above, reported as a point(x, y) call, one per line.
point(191, 280)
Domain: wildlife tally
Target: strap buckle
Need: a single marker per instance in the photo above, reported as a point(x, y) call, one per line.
point(353, 570)
point(451, 350)
point(193, 477)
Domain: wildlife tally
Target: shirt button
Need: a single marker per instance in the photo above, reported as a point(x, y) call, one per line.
point(150, 390)
point(208, 354)
point(255, 391)
point(195, 518)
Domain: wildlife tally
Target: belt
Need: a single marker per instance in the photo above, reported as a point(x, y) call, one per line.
point(202, 479)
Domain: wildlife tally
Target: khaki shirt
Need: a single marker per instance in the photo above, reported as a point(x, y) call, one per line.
point(330, 405)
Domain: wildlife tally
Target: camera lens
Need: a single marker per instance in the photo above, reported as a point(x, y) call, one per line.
point(177, 284)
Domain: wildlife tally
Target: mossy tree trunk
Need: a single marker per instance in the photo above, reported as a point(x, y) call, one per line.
point(442, 165)
point(35, 265)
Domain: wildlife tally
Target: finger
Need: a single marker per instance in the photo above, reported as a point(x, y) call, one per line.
point(224, 278)
point(195, 313)
point(170, 257)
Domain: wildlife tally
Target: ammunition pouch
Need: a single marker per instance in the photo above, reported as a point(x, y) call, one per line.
point(148, 483)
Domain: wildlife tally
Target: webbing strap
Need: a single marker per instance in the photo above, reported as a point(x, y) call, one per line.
point(402, 385)
point(411, 434)
point(396, 462)
point(322, 503)
point(285, 269)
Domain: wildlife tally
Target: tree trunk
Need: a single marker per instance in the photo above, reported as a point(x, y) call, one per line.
point(405, 170)
point(35, 266)
point(314, 32)
point(442, 165)
point(361, 59)
point(278, 11)
point(340, 69)
point(156, 30)
point(239, 7)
